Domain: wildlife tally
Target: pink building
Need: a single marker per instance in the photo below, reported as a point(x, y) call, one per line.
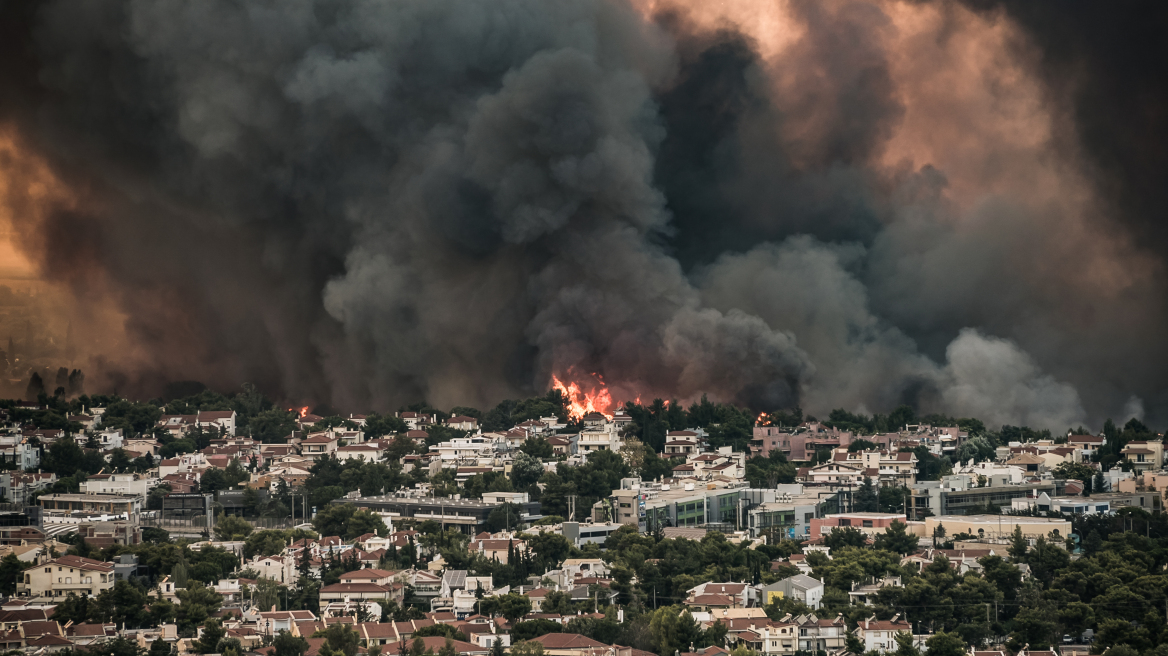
point(866, 522)
point(810, 437)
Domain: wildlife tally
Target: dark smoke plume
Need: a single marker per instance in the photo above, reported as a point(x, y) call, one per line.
point(368, 203)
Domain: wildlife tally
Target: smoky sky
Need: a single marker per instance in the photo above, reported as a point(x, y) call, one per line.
point(955, 206)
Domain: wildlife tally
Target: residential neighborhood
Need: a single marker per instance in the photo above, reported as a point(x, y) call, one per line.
point(200, 531)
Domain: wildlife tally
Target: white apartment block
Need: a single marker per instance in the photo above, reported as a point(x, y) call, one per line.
point(124, 484)
point(599, 434)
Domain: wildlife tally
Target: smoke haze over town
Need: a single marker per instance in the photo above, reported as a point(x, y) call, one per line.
point(955, 206)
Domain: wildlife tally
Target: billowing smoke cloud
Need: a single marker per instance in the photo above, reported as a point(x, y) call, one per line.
point(369, 203)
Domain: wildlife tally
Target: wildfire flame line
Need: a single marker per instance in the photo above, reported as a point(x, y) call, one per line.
point(581, 402)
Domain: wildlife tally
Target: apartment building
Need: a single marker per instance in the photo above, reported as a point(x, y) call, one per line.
point(67, 575)
point(869, 523)
point(122, 484)
point(18, 487)
point(599, 434)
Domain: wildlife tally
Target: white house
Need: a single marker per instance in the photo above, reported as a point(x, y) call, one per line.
point(224, 419)
point(799, 587)
point(881, 635)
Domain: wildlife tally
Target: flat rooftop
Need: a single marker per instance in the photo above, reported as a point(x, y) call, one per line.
point(97, 496)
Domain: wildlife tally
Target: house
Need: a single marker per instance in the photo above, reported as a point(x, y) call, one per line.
point(463, 423)
point(283, 620)
point(221, 420)
point(799, 587)
point(816, 634)
point(681, 444)
point(1087, 444)
point(770, 638)
point(415, 420)
point(359, 592)
point(1144, 455)
point(563, 445)
point(860, 592)
point(434, 644)
point(365, 452)
point(711, 596)
point(836, 473)
point(571, 644)
point(16, 450)
point(278, 568)
point(67, 575)
point(881, 635)
point(1029, 462)
point(599, 434)
point(18, 487)
point(499, 549)
point(319, 446)
point(369, 575)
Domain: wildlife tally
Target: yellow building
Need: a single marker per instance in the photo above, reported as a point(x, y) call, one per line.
point(999, 526)
point(66, 575)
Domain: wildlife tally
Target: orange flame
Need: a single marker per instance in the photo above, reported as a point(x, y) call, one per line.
point(582, 402)
point(763, 419)
point(300, 412)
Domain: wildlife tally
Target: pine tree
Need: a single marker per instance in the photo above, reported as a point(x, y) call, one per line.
point(1018, 545)
point(866, 499)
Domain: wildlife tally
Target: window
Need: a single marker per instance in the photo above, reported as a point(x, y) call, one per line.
point(867, 523)
point(845, 522)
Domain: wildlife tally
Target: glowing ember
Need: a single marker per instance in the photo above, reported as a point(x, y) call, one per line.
point(582, 402)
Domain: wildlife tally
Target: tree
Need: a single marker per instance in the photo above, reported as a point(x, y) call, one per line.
point(904, 645)
point(527, 648)
point(844, 537)
point(448, 649)
point(865, 499)
point(440, 630)
point(945, 644)
point(196, 603)
point(287, 644)
point(525, 470)
point(266, 594)
point(502, 517)
point(897, 538)
point(208, 643)
point(36, 387)
point(538, 448)
point(497, 647)
point(530, 629)
point(511, 605)
point(235, 473)
point(11, 569)
point(272, 426)
point(1075, 471)
point(230, 528)
point(1018, 545)
point(860, 444)
point(159, 648)
point(212, 481)
point(347, 521)
point(341, 639)
point(155, 534)
point(180, 575)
